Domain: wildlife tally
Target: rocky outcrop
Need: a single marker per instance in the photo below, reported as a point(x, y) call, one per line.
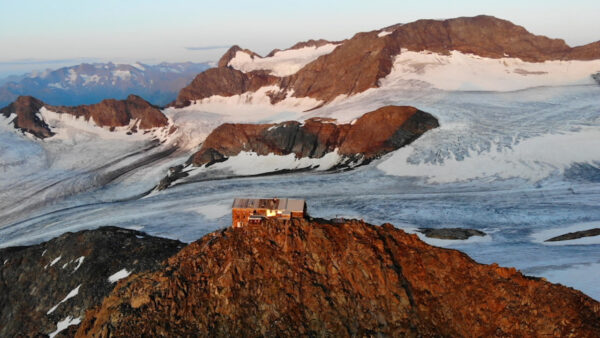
point(108, 113)
point(26, 109)
point(575, 235)
point(370, 136)
point(451, 233)
point(312, 278)
point(119, 113)
point(358, 64)
point(42, 284)
point(223, 81)
point(596, 77)
point(230, 54)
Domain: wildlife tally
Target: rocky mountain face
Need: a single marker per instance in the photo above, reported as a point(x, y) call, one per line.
point(44, 284)
point(108, 113)
point(91, 83)
point(358, 64)
point(372, 135)
point(313, 278)
point(27, 119)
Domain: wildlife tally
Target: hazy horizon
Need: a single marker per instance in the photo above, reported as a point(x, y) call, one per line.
point(37, 35)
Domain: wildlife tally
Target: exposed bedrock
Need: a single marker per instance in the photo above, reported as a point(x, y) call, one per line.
point(451, 233)
point(43, 284)
point(575, 235)
point(313, 278)
point(372, 135)
point(107, 113)
point(358, 63)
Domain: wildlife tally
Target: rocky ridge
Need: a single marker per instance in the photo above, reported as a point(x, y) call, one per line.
point(109, 113)
point(43, 284)
point(372, 135)
point(313, 278)
point(358, 64)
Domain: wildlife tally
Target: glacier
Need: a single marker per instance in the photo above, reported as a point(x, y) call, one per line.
point(519, 163)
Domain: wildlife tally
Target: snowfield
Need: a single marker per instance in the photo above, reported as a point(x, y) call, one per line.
point(282, 63)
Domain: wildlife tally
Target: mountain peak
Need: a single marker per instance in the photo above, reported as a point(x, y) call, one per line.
point(318, 278)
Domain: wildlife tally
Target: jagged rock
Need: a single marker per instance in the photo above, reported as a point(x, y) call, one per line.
point(312, 278)
point(34, 279)
point(119, 113)
point(26, 109)
point(358, 64)
point(223, 81)
point(451, 233)
point(108, 113)
point(575, 235)
point(372, 135)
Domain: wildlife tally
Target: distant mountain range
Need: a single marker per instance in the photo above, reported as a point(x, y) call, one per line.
point(91, 83)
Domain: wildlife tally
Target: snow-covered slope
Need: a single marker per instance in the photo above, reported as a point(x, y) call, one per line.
point(282, 63)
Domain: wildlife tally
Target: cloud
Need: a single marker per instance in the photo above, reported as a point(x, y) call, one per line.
point(206, 47)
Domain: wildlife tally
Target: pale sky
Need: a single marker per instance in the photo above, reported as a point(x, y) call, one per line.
point(35, 34)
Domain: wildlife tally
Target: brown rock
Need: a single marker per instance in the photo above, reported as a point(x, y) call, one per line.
point(108, 113)
point(230, 54)
point(223, 81)
point(118, 113)
point(358, 64)
point(372, 135)
point(26, 108)
point(318, 279)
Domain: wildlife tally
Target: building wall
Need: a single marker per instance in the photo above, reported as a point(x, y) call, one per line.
point(239, 216)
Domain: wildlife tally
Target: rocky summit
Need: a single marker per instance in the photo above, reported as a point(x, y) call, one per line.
point(44, 284)
point(107, 113)
point(314, 278)
point(358, 63)
point(372, 135)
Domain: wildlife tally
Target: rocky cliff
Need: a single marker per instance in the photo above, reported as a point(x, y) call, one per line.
point(312, 278)
point(27, 119)
point(358, 64)
point(107, 113)
point(372, 135)
point(43, 284)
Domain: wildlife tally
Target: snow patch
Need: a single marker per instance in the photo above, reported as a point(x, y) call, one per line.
point(70, 295)
point(55, 260)
point(90, 79)
point(44, 252)
point(79, 262)
point(72, 76)
point(468, 72)
point(213, 211)
point(56, 85)
point(384, 33)
point(250, 163)
point(123, 273)
point(121, 74)
point(139, 66)
point(282, 63)
point(65, 323)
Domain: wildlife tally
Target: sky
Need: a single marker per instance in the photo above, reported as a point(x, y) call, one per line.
point(39, 34)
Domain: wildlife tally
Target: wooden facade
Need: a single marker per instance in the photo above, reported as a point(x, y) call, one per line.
point(253, 210)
